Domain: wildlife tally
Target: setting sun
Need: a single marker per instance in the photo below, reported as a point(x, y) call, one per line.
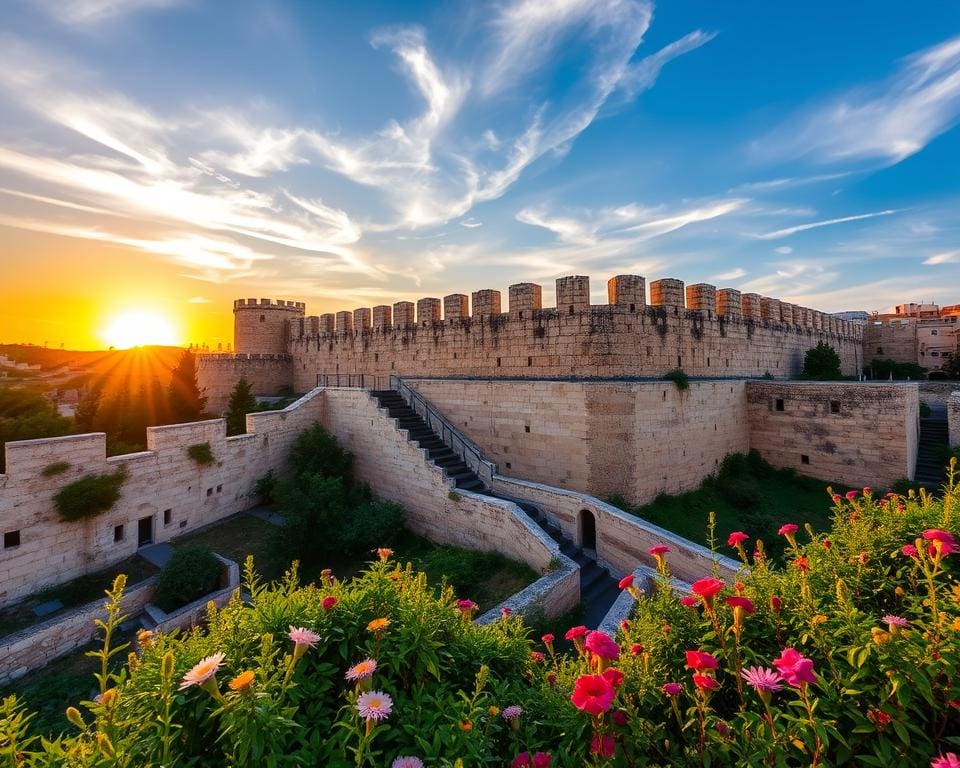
point(134, 329)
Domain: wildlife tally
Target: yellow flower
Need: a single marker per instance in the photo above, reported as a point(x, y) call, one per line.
point(880, 636)
point(494, 711)
point(818, 619)
point(466, 725)
point(956, 593)
point(242, 683)
point(378, 625)
point(108, 697)
point(956, 624)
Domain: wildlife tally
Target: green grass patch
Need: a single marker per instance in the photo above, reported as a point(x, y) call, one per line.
point(746, 494)
point(201, 454)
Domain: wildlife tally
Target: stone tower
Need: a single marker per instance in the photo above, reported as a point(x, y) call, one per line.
point(263, 327)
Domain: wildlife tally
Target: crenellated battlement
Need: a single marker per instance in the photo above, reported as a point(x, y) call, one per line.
point(247, 304)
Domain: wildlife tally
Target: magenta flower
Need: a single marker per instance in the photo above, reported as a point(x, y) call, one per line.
point(626, 581)
point(512, 712)
point(705, 682)
point(302, 636)
point(909, 550)
point(736, 539)
point(701, 660)
point(949, 760)
point(795, 669)
point(763, 680)
point(603, 646)
point(407, 762)
point(788, 529)
point(659, 550)
point(374, 705)
point(689, 601)
point(851, 495)
point(948, 544)
point(895, 621)
point(672, 689)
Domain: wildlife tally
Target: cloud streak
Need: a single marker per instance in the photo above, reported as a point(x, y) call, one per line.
point(787, 231)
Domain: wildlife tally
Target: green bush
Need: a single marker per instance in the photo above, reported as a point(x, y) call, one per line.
point(201, 454)
point(317, 452)
point(56, 468)
point(192, 572)
point(822, 363)
point(89, 496)
point(265, 488)
point(924, 410)
point(679, 377)
point(881, 369)
point(372, 524)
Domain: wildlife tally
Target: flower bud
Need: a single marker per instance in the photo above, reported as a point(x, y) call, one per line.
point(73, 715)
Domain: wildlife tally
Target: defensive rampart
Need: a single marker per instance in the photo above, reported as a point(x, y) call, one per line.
point(705, 331)
point(268, 374)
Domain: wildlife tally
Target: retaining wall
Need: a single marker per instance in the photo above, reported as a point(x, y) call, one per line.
point(953, 418)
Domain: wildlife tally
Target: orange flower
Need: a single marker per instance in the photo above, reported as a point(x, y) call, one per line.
point(378, 625)
point(384, 554)
point(145, 638)
point(242, 683)
point(466, 725)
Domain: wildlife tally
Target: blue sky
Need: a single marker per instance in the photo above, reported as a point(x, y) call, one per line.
point(352, 154)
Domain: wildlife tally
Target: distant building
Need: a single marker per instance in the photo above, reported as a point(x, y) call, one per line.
point(854, 316)
point(925, 334)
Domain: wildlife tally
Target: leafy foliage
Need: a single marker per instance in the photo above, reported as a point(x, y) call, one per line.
point(55, 468)
point(28, 415)
point(241, 403)
point(185, 401)
point(265, 488)
point(822, 363)
point(881, 369)
point(201, 453)
point(879, 690)
point(89, 496)
point(191, 573)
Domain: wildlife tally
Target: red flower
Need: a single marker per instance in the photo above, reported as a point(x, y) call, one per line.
point(536, 657)
point(705, 683)
point(909, 550)
point(948, 544)
point(600, 644)
point(851, 495)
point(827, 543)
point(329, 603)
point(592, 694)
point(672, 689)
point(776, 604)
point(659, 550)
point(506, 611)
point(788, 529)
point(701, 660)
point(837, 498)
point(744, 603)
point(707, 588)
point(689, 601)
point(619, 717)
point(552, 679)
point(624, 624)
point(574, 632)
point(613, 676)
point(736, 539)
point(626, 581)
point(795, 668)
point(604, 745)
point(801, 563)
point(547, 638)
point(867, 490)
point(636, 649)
point(541, 760)
point(521, 761)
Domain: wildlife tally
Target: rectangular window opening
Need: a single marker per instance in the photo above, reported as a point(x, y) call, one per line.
point(804, 459)
point(11, 539)
point(779, 404)
point(526, 428)
point(117, 533)
point(167, 516)
point(529, 361)
point(834, 406)
point(498, 362)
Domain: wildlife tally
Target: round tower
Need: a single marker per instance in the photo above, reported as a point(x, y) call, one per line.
point(263, 326)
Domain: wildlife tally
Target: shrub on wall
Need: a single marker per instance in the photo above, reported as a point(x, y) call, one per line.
point(191, 573)
point(56, 468)
point(89, 496)
point(679, 377)
point(201, 454)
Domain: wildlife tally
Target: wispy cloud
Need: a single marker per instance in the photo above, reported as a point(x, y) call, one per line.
point(93, 11)
point(199, 300)
point(886, 121)
point(783, 250)
point(947, 257)
point(787, 231)
point(643, 74)
point(733, 274)
point(774, 185)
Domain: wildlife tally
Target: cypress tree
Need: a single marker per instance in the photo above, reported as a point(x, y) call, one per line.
point(242, 402)
point(183, 395)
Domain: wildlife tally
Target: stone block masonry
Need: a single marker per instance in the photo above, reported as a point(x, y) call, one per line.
point(953, 419)
point(855, 434)
point(166, 492)
point(217, 375)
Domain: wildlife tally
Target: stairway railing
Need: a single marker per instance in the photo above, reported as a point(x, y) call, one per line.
point(452, 437)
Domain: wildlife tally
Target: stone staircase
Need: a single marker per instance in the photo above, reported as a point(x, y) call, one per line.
point(931, 466)
point(598, 589)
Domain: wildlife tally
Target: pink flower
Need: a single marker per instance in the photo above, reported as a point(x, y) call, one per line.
point(705, 682)
point(521, 761)
point(867, 490)
point(707, 588)
point(407, 762)
point(689, 601)
point(949, 760)
point(909, 550)
point(659, 550)
point(745, 604)
point(895, 621)
point(536, 657)
point(701, 660)
point(601, 645)
point(466, 606)
point(624, 624)
point(613, 676)
point(788, 529)
point(374, 705)
point(505, 611)
point(574, 632)
point(851, 495)
point(776, 604)
point(604, 745)
point(329, 603)
point(547, 639)
point(203, 671)
point(947, 543)
point(837, 498)
point(763, 680)
point(626, 581)
point(672, 689)
point(552, 679)
point(512, 712)
point(303, 636)
point(736, 539)
point(795, 669)
point(541, 760)
point(592, 694)
point(636, 649)
point(619, 717)
point(361, 671)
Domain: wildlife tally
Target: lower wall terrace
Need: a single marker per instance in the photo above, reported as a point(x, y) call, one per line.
point(953, 418)
point(166, 491)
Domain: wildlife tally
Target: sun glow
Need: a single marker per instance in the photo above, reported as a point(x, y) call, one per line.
point(138, 328)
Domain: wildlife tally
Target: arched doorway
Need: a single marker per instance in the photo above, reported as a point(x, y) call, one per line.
point(588, 530)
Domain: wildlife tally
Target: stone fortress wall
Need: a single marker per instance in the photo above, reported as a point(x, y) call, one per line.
point(706, 331)
point(640, 439)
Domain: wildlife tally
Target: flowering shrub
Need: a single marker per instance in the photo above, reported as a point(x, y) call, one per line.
point(849, 655)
